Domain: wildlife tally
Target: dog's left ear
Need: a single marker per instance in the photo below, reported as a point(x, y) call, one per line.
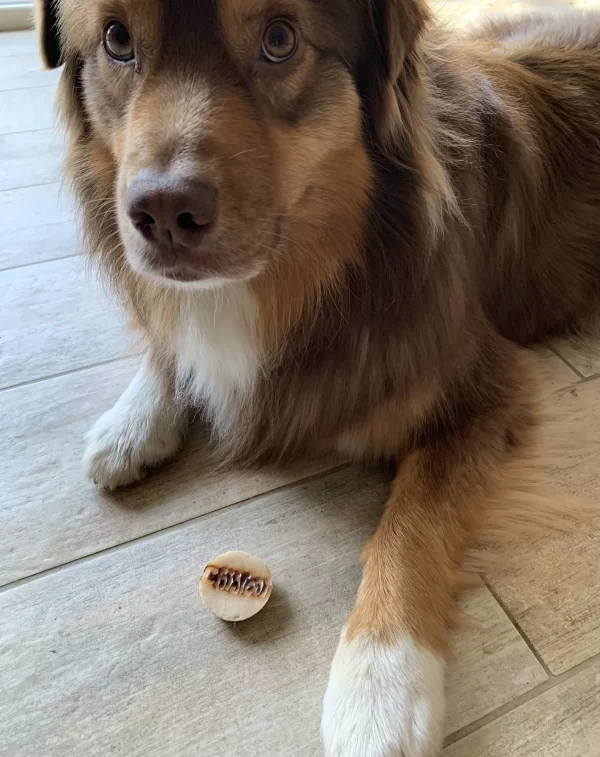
point(48, 32)
point(397, 25)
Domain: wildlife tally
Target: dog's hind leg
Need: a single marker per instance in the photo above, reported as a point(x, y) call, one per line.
point(143, 429)
point(385, 696)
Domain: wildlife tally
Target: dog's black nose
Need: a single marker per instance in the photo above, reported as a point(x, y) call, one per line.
point(171, 210)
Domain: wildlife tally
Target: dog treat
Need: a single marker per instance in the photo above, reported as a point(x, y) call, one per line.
point(235, 586)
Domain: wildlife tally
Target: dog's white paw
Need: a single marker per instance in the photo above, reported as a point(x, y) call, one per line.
point(384, 701)
point(120, 447)
point(143, 429)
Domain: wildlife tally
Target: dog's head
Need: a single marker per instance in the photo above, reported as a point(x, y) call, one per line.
point(207, 130)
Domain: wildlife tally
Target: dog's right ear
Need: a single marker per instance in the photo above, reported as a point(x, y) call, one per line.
point(48, 33)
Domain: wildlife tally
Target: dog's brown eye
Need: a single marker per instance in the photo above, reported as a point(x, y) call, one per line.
point(279, 42)
point(117, 42)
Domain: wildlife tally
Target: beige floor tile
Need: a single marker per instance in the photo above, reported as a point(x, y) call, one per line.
point(583, 356)
point(50, 515)
point(18, 43)
point(27, 109)
point(115, 655)
point(552, 372)
point(21, 71)
point(487, 635)
point(37, 224)
point(53, 319)
point(562, 722)
point(550, 585)
point(29, 158)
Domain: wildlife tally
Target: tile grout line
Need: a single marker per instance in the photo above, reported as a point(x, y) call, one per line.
point(39, 262)
point(15, 133)
point(521, 700)
point(69, 372)
point(26, 88)
point(554, 351)
point(580, 382)
point(54, 126)
point(587, 379)
point(17, 187)
point(58, 181)
point(167, 529)
point(518, 627)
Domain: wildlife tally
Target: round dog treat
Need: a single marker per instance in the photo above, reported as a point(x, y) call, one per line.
point(235, 586)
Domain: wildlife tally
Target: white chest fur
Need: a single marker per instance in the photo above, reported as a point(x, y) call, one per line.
point(215, 345)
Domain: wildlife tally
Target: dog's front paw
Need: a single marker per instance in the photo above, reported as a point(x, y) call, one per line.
point(125, 442)
point(384, 700)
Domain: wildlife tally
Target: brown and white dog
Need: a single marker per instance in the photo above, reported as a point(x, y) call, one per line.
point(334, 224)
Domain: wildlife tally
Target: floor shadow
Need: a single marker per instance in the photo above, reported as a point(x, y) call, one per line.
point(271, 622)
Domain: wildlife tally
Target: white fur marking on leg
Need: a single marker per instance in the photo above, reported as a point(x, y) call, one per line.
point(384, 701)
point(144, 428)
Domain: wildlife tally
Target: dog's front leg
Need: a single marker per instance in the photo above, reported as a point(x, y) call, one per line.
point(143, 429)
point(385, 696)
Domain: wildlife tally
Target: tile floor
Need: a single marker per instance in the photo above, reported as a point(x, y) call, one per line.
point(105, 649)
